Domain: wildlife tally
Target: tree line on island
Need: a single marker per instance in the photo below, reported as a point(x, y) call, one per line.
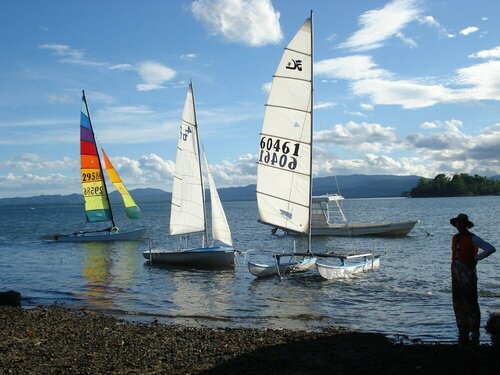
point(460, 185)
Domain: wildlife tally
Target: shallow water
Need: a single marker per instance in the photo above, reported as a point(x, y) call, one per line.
point(409, 295)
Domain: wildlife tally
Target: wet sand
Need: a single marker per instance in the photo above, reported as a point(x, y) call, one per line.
point(54, 340)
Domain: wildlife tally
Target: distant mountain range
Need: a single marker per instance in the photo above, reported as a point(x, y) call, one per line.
point(352, 186)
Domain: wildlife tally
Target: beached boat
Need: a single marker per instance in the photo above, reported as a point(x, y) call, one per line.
point(188, 211)
point(327, 206)
point(284, 166)
point(95, 192)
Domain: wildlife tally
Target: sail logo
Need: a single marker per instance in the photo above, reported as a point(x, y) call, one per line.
point(286, 214)
point(294, 65)
point(184, 136)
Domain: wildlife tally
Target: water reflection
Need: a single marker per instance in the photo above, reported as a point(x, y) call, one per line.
point(108, 269)
point(202, 295)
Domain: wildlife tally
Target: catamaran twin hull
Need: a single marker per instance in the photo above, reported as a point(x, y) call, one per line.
point(135, 235)
point(394, 229)
point(222, 257)
point(348, 268)
point(280, 269)
point(348, 265)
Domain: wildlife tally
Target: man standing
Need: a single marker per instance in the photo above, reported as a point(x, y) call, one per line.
point(464, 247)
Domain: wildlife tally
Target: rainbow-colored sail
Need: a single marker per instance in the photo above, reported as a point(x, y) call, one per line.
point(97, 205)
point(131, 209)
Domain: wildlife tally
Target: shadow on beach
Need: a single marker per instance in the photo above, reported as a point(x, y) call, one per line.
point(56, 340)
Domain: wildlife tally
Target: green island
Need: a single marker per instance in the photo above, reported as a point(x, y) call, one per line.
point(460, 185)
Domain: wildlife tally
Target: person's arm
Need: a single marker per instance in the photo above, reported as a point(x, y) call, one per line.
point(487, 248)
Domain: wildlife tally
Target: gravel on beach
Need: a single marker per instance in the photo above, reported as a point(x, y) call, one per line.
point(55, 340)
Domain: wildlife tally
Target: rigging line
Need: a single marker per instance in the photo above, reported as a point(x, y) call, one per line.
point(297, 51)
point(284, 107)
point(292, 78)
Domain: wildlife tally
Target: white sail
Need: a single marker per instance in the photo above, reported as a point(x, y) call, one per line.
point(220, 227)
point(284, 160)
point(187, 209)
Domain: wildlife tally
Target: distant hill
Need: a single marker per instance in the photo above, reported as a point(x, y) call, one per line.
point(352, 186)
point(365, 186)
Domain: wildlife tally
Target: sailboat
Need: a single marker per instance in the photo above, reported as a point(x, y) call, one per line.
point(95, 192)
point(284, 166)
point(188, 210)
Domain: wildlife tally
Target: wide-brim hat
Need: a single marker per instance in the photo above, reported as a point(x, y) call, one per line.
point(464, 218)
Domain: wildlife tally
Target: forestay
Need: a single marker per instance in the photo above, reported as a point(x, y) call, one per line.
point(187, 208)
point(284, 161)
point(220, 227)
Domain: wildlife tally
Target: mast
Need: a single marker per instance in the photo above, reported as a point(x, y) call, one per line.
point(309, 242)
point(99, 160)
point(199, 168)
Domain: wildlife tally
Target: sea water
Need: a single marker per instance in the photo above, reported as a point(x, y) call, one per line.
point(408, 296)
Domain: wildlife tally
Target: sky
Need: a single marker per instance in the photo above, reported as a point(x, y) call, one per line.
point(403, 87)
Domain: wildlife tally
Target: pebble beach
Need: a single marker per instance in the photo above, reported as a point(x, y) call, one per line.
point(55, 340)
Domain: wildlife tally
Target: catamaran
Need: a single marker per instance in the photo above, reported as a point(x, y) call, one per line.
point(95, 192)
point(284, 166)
point(188, 211)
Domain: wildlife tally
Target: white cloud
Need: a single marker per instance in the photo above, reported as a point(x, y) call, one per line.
point(70, 55)
point(469, 30)
point(266, 87)
point(354, 67)
point(476, 82)
point(429, 125)
point(239, 172)
point(122, 67)
point(406, 40)
point(404, 93)
point(483, 81)
point(324, 105)
point(189, 56)
point(149, 170)
point(18, 185)
point(367, 106)
point(42, 122)
point(154, 75)
point(493, 53)
point(381, 24)
point(362, 136)
point(53, 99)
point(252, 22)
point(432, 22)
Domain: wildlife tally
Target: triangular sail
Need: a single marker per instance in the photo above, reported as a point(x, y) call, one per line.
point(97, 207)
point(187, 209)
point(131, 209)
point(220, 227)
point(284, 160)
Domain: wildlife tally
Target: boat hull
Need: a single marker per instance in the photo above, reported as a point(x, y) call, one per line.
point(205, 257)
point(347, 269)
point(135, 235)
point(394, 229)
point(265, 270)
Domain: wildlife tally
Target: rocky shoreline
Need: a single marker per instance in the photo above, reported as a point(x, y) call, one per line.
point(53, 339)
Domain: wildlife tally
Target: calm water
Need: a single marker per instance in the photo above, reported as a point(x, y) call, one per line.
point(409, 295)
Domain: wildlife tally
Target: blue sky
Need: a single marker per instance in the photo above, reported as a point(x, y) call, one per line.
point(401, 87)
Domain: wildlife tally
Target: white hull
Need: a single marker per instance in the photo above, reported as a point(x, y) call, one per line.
point(208, 257)
point(135, 235)
point(401, 228)
point(347, 269)
point(263, 270)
